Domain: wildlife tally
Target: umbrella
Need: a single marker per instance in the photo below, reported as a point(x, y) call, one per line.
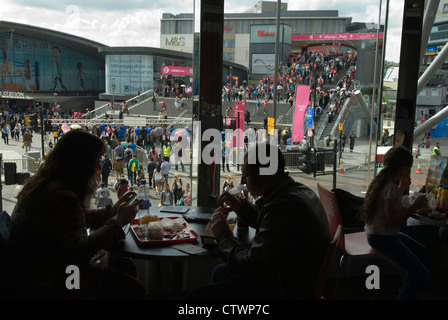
point(182, 85)
point(279, 88)
point(161, 102)
point(65, 128)
point(75, 126)
point(158, 130)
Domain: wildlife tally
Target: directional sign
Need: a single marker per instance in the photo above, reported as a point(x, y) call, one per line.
point(309, 117)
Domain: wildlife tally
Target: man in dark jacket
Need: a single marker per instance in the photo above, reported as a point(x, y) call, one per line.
point(290, 242)
point(151, 166)
point(106, 168)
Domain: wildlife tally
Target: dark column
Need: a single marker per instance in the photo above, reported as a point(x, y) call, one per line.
point(210, 86)
point(409, 72)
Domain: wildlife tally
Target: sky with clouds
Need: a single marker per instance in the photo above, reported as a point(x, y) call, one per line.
point(137, 22)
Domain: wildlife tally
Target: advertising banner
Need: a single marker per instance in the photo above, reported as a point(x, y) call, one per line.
point(239, 109)
point(128, 74)
point(300, 108)
point(176, 71)
point(342, 36)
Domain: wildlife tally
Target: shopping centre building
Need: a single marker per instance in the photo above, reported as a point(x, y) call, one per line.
point(45, 65)
point(249, 37)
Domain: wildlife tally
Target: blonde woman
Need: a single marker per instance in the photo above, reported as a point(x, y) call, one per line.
point(177, 187)
point(228, 184)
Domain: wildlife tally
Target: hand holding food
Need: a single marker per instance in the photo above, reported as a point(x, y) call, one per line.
point(124, 212)
point(218, 222)
point(421, 203)
point(229, 202)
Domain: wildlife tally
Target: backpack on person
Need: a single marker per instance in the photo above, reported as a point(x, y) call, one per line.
point(122, 189)
point(127, 158)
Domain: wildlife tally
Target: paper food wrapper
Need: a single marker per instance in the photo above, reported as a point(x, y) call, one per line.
point(437, 174)
point(208, 237)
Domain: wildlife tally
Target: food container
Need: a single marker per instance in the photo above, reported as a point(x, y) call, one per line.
point(187, 234)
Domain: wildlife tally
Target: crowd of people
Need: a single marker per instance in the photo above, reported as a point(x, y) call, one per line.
point(55, 207)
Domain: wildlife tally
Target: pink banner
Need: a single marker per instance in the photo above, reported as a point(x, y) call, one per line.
point(239, 109)
point(301, 104)
point(176, 71)
point(332, 37)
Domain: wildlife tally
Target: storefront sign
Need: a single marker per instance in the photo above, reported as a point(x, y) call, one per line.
point(176, 71)
point(175, 42)
point(12, 94)
point(262, 33)
point(332, 37)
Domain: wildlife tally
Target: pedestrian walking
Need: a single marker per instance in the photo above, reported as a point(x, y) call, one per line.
point(165, 166)
point(106, 168)
point(27, 140)
point(5, 133)
point(154, 100)
point(352, 139)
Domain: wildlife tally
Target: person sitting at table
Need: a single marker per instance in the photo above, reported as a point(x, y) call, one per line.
point(52, 255)
point(383, 216)
point(290, 242)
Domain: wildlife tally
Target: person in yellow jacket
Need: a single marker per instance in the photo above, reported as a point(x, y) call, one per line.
point(166, 150)
point(436, 151)
point(133, 166)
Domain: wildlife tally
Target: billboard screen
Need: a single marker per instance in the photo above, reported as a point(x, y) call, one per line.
point(35, 65)
point(262, 63)
point(130, 73)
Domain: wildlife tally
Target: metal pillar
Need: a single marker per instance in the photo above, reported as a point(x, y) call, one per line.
point(432, 69)
point(428, 21)
point(277, 36)
point(210, 102)
point(408, 80)
point(428, 124)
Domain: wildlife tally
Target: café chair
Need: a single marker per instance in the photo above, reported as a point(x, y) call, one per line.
point(323, 273)
point(351, 244)
point(5, 289)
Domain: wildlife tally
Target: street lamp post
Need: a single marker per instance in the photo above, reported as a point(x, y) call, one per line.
point(113, 94)
point(230, 79)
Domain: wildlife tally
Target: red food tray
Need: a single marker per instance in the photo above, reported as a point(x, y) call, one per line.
point(188, 235)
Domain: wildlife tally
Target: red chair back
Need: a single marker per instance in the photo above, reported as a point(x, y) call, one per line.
point(323, 274)
point(330, 204)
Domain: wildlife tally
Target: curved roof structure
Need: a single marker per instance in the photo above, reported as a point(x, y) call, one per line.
point(90, 47)
point(64, 39)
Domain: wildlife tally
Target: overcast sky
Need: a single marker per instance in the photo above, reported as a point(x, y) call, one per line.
point(137, 22)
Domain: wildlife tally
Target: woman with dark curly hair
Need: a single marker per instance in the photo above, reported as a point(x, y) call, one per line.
point(53, 256)
point(383, 215)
